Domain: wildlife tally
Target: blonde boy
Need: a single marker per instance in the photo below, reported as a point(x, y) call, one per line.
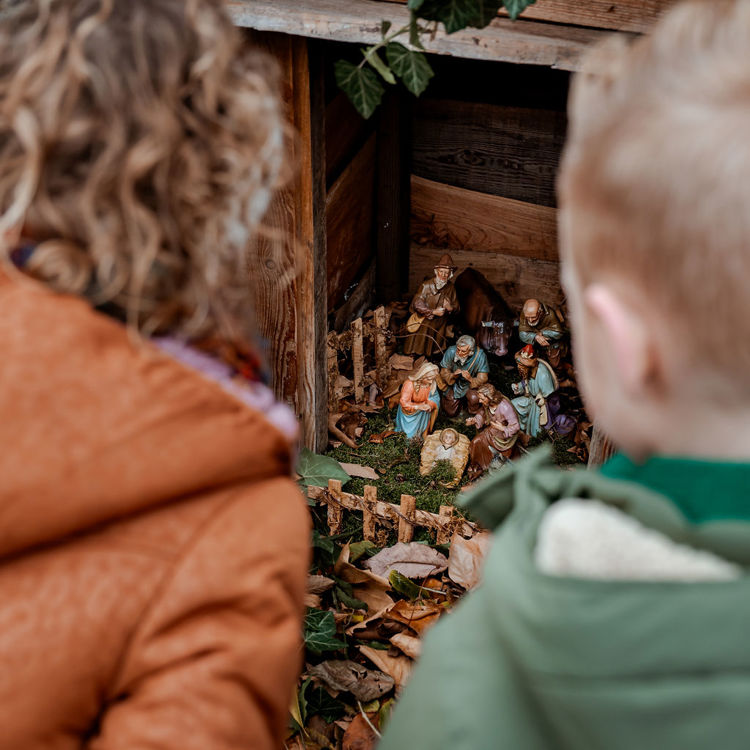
point(615, 607)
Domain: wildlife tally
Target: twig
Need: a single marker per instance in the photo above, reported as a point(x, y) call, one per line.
point(367, 719)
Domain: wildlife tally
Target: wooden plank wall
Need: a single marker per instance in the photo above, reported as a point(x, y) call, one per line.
point(621, 15)
point(289, 259)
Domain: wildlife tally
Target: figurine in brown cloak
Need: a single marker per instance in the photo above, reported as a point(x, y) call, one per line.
point(433, 303)
point(540, 325)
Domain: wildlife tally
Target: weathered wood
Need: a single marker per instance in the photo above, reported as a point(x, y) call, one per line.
point(358, 361)
point(601, 448)
point(455, 218)
point(350, 218)
point(381, 353)
point(360, 301)
point(513, 152)
point(390, 512)
point(515, 278)
point(332, 361)
point(335, 509)
point(621, 15)
point(289, 262)
point(406, 521)
point(368, 518)
point(526, 42)
point(346, 133)
point(393, 202)
point(444, 534)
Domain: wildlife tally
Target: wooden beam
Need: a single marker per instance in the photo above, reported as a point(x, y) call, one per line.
point(509, 151)
point(393, 200)
point(525, 42)
point(515, 278)
point(350, 220)
point(619, 15)
point(454, 218)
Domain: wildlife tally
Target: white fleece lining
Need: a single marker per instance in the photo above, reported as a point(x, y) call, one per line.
point(588, 539)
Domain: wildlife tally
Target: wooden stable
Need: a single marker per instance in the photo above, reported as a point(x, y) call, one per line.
point(469, 169)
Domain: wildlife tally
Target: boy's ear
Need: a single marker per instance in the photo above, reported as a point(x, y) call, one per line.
point(630, 338)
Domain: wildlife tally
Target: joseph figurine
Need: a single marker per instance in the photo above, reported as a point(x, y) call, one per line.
point(433, 303)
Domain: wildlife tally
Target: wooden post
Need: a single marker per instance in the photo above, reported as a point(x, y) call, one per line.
point(601, 448)
point(368, 518)
point(335, 511)
point(358, 361)
point(406, 523)
point(446, 516)
point(381, 355)
point(333, 372)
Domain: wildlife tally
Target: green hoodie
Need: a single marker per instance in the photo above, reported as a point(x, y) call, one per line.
point(528, 661)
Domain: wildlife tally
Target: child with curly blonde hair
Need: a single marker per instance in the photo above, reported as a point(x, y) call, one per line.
point(153, 549)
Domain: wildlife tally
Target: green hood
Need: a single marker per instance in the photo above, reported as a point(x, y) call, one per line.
point(532, 661)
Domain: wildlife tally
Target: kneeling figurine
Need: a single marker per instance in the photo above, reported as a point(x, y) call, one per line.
point(419, 402)
point(499, 428)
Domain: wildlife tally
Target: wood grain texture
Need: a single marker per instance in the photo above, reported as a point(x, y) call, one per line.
point(619, 15)
point(509, 151)
point(526, 42)
point(454, 218)
point(350, 228)
point(289, 261)
point(515, 278)
point(346, 132)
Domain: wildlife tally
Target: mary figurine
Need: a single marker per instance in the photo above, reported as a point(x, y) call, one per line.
point(419, 402)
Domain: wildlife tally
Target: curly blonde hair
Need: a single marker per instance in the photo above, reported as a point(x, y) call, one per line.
point(139, 145)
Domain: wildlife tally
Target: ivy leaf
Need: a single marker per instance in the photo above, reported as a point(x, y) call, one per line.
point(415, 4)
point(484, 12)
point(516, 7)
point(410, 66)
point(384, 27)
point(361, 85)
point(453, 14)
point(373, 58)
point(316, 470)
point(404, 586)
point(320, 703)
point(320, 632)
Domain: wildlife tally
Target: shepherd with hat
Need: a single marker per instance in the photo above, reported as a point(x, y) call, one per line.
point(433, 303)
point(537, 402)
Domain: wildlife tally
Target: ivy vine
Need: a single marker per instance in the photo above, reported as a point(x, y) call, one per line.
point(363, 83)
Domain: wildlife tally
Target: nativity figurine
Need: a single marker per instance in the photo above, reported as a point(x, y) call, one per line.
point(433, 303)
point(445, 445)
point(463, 369)
point(542, 325)
point(419, 402)
point(498, 426)
point(536, 400)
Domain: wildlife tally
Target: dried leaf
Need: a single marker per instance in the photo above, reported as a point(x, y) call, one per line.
point(413, 560)
point(351, 574)
point(357, 470)
point(401, 362)
point(378, 438)
point(410, 645)
point(319, 584)
point(359, 735)
point(419, 616)
point(467, 557)
point(398, 667)
point(404, 586)
point(374, 597)
point(313, 600)
point(364, 684)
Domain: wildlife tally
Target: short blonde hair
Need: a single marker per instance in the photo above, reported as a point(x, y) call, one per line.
point(658, 162)
point(139, 143)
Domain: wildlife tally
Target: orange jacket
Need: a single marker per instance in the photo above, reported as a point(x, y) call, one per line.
point(153, 550)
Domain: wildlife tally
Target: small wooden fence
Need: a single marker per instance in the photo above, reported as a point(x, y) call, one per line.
point(375, 511)
point(374, 330)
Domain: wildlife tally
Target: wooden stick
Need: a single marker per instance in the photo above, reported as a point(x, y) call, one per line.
point(333, 372)
point(381, 355)
point(358, 361)
point(406, 522)
point(335, 510)
point(368, 518)
point(446, 516)
point(601, 448)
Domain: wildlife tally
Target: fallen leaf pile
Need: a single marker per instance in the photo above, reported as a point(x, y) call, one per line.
point(368, 612)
